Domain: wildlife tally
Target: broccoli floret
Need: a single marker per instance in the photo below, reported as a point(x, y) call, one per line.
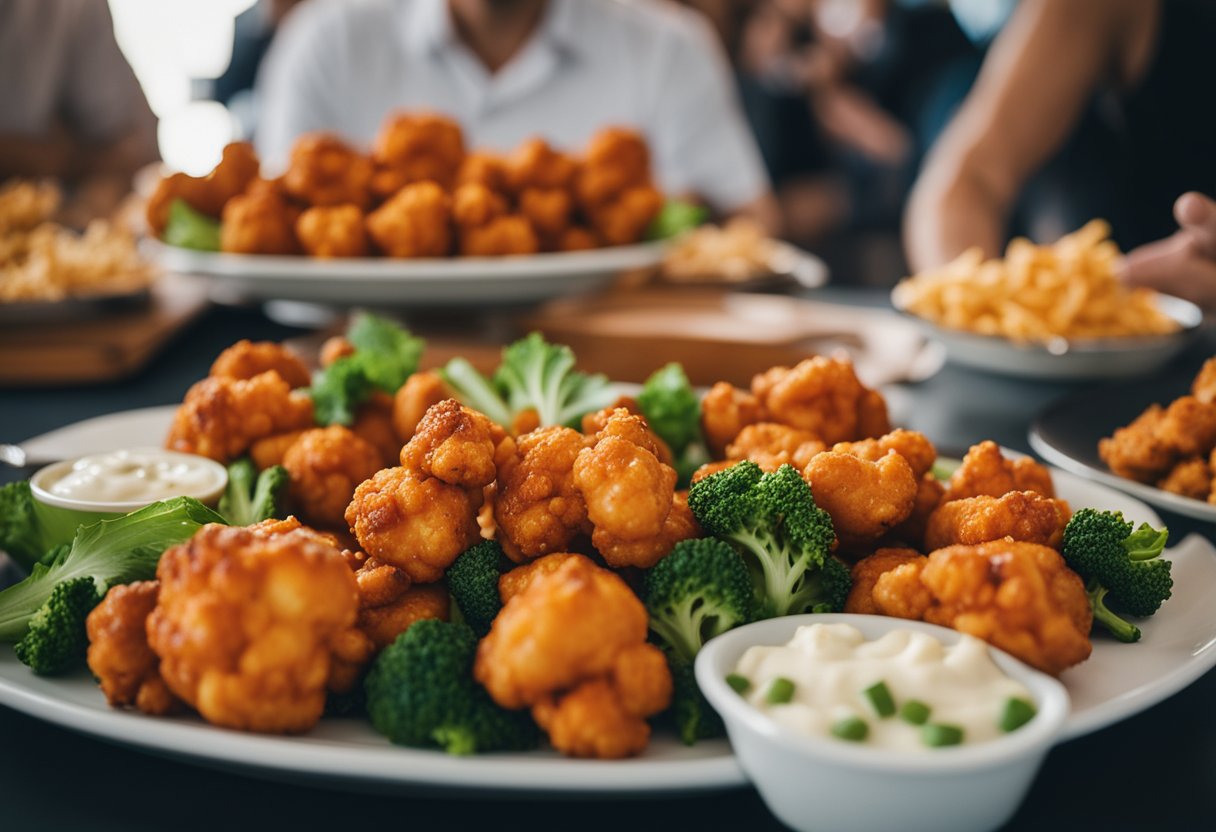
point(385, 355)
point(695, 719)
point(25, 533)
point(533, 375)
point(700, 590)
point(1121, 566)
point(421, 692)
point(56, 639)
point(673, 411)
point(251, 497)
point(674, 218)
point(188, 228)
point(473, 584)
point(785, 538)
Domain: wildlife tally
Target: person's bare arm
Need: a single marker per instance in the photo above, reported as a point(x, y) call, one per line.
point(1035, 83)
point(1184, 264)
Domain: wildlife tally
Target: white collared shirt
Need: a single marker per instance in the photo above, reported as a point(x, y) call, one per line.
point(343, 65)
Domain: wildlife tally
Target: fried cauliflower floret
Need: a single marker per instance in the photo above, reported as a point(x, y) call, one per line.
point(1021, 515)
point(986, 472)
point(374, 425)
point(866, 573)
point(510, 234)
point(1188, 427)
point(547, 209)
point(414, 522)
point(455, 444)
point(247, 625)
point(332, 231)
point(912, 446)
point(515, 581)
point(325, 465)
point(647, 551)
point(475, 205)
point(865, 499)
point(771, 445)
point(237, 168)
point(1203, 387)
point(324, 170)
point(821, 395)
point(259, 222)
point(384, 622)
point(534, 164)
point(119, 656)
point(221, 417)
point(637, 430)
point(576, 238)
point(628, 491)
point(624, 220)
point(1136, 451)
point(725, 411)
point(413, 399)
point(1191, 478)
point(537, 507)
point(271, 450)
point(246, 359)
point(483, 168)
point(416, 146)
point(415, 222)
point(335, 347)
point(929, 494)
point(1020, 597)
point(572, 645)
point(616, 159)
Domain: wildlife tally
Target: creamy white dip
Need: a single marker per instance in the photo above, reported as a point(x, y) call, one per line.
point(147, 474)
point(832, 665)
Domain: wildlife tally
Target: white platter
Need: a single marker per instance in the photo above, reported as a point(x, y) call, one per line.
point(1178, 646)
point(1098, 358)
point(440, 281)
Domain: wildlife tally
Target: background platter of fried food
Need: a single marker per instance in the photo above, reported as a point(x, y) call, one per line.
point(1037, 293)
point(43, 261)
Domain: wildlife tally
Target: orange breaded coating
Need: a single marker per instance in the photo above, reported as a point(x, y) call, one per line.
point(771, 445)
point(596, 421)
point(725, 411)
point(374, 425)
point(221, 417)
point(929, 493)
point(1020, 597)
point(414, 522)
point(325, 466)
point(521, 577)
point(986, 472)
point(872, 416)
point(247, 625)
point(415, 222)
point(616, 159)
point(246, 359)
point(1203, 387)
point(270, 451)
point(238, 167)
point(291, 523)
point(1191, 478)
point(379, 583)
point(332, 231)
point(865, 499)
point(572, 645)
point(259, 222)
point(625, 219)
point(384, 622)
point(483, 168)
point(537, 507)
point(912, 446)
point(335, 347)
point(413, 399)
point(510, 234)
point(119, 656)
point(548, 209)
point(1188, 427)
point(324, 170)
point(866, 573)
point(455, 444)
point(1135, 451)
point(821, 395)
point(679, 525)
point(475, 205)
point(419, 146)
point(534, 164)
point(628, 491)
point(1021, 515)
point(711, 468)
point(576, 238)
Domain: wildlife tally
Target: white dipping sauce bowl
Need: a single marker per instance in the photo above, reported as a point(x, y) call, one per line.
point(829, 785)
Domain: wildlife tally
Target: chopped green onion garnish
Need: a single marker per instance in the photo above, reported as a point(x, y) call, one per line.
point(880, 699)
point(780, 691)
point(738, 683)
point(914, 711)
point(937, 735)
point(1015, 714)
point(851, 728)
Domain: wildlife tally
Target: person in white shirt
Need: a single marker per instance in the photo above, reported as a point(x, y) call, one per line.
point(508, 70)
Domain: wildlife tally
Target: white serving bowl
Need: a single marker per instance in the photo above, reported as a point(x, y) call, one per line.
point(829, 785)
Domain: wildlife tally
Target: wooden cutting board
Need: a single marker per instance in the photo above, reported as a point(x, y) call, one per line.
point(726, 336)
point(99, 349)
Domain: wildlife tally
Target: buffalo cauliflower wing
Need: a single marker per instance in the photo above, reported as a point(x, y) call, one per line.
point(771, 445)
point(1021, 515)
point(986, 472)
point(323, 170)
point(119, 656)
point(866, 500)
point(246, 359)
point(325, 466)
point(725, 412)
point(332, 231)
point(537, 507)
point(824, 396)
point(415, 222)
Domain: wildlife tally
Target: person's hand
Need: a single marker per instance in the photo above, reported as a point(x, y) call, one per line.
point(1185, 263)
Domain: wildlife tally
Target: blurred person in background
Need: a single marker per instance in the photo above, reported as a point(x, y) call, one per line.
point(70, 106)
point(1095, 103)
point(508, 70)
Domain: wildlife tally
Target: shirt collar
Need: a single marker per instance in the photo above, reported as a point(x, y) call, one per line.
point(429, 26)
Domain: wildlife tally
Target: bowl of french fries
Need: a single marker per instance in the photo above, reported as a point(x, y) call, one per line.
point(1048, 311)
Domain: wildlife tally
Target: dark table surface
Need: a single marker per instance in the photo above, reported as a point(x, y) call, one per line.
point(1156, 770)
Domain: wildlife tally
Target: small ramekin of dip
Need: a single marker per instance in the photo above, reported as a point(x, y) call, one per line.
point(101, 486)
point(861, 722)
